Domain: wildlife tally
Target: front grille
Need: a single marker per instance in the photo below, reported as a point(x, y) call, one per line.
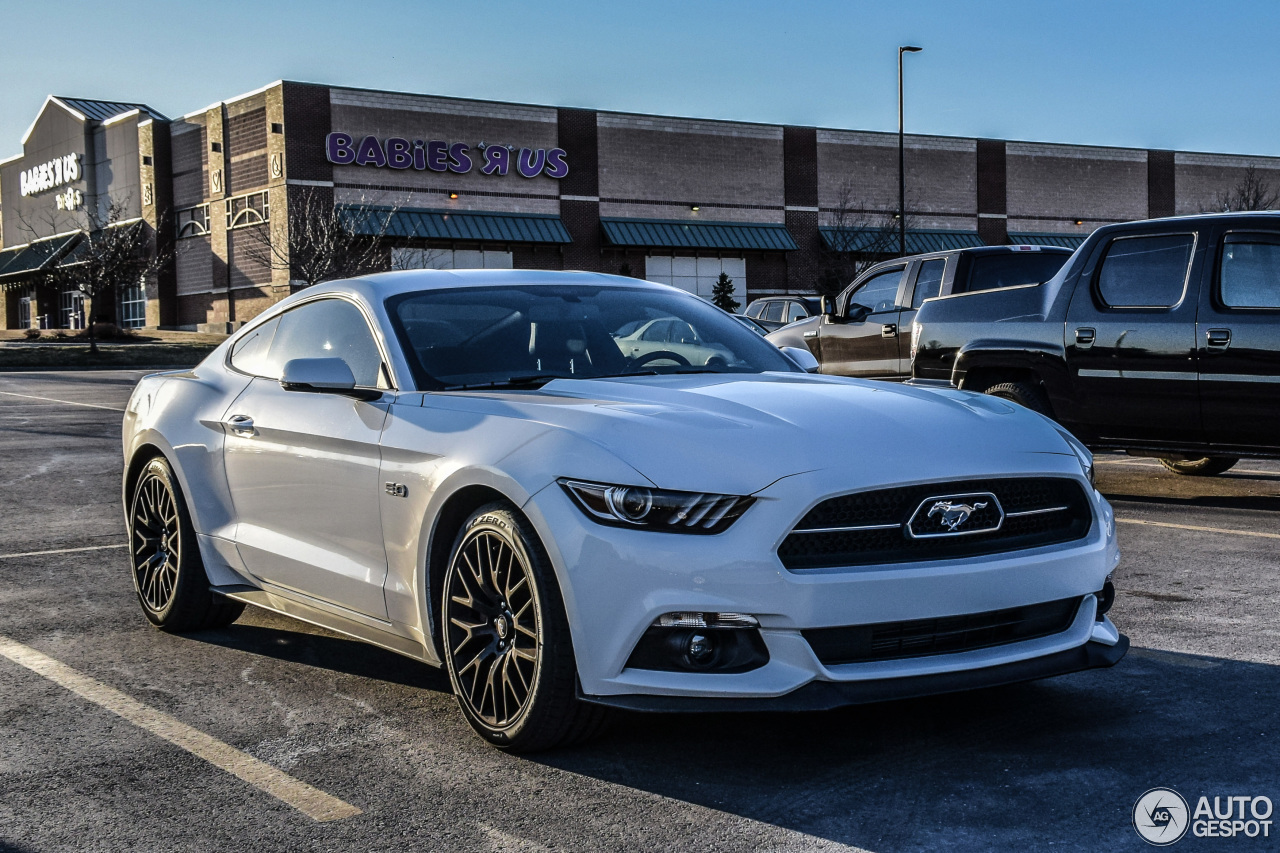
point(921, 637)
point(870, 528)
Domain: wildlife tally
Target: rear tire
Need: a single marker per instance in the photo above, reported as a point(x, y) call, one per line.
point(1024, 394)
point(506, 637)
point(168, 574)
point(1205, 466)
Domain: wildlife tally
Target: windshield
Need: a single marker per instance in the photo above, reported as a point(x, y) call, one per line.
point(520, 335)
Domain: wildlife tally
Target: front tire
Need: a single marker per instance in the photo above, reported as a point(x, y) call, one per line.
point(168, 574)
point(1205, 466)
point(506, 637)
point(1024, 394)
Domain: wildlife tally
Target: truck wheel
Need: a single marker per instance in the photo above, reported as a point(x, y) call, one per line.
point(1024, 394)
point(1205, 466)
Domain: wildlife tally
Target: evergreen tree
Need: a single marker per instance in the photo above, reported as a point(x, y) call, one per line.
point(722, 294)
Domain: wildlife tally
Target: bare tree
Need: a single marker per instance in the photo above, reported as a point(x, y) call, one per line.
point(112, 250)
point(1251, 192)
point(862, 234)
point(319, 240)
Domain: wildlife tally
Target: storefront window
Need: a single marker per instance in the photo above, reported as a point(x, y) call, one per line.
point(24, 311)
point(696, 275)
point(133, 307)
point(449, 259)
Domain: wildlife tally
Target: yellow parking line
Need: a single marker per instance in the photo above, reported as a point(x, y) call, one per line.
point(61, 551)
point(293, 792)
point(1197, 527)
point(68, 402)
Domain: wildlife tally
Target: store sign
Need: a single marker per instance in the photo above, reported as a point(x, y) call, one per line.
point(395, 152)
point(46, 176)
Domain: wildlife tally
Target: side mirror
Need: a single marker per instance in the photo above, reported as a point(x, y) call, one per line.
point(857, 313)
point(802, 358)
point(826, 305)
point(324, 376)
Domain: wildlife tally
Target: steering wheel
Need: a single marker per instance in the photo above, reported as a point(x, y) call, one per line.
point(657, 355)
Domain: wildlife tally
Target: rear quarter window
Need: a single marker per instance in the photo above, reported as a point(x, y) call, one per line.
point(1249, 272)
point(1145, 272)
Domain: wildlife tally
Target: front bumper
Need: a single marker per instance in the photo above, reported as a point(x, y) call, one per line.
point(825, 695)
point(616, 582)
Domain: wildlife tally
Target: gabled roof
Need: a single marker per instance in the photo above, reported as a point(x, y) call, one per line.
point(88, 109)
point(104, 110)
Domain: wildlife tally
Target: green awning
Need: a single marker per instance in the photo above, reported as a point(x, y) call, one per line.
point(1066, 241)
point(21, 262)
point(882, 242)
point(679, 234)
point(452, 225)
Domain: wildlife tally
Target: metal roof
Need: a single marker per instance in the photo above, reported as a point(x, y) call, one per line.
point(1066, 241)
point(680, 234)
point(19, 262)
point(453, 225)
point(879, 242)
point(102, 110)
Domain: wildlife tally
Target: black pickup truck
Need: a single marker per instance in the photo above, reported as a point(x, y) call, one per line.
point(1160, 338)
point(863, 331)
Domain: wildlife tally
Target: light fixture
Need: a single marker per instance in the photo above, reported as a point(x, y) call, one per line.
point(1079, 221)
point(694, 208)
point(453, 195)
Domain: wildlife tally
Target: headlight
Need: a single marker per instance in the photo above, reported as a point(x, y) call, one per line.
point(1082, 454)
point(657, 509)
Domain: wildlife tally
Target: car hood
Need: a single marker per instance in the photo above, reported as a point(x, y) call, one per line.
point(738, 434)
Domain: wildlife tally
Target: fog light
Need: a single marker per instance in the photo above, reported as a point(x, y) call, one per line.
point(700, 649)
point(1106, 597)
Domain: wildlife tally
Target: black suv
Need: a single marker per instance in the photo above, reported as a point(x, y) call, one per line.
point(865, 331)
point(1160, 338)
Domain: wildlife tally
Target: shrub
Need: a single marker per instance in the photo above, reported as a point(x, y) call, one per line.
point(31, 334)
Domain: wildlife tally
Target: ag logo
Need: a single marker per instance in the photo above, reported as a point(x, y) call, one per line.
point(1160, 816)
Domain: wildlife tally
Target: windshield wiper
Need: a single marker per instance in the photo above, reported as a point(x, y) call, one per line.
point(527, 380)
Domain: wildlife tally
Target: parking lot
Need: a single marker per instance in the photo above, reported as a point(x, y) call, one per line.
point(1195, 706)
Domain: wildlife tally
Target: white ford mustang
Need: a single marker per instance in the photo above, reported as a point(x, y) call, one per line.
point(467, 468)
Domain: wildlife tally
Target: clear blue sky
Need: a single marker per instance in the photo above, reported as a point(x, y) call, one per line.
point(1201, 76)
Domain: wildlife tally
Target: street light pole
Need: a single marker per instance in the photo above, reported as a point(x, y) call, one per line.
point(902, 178)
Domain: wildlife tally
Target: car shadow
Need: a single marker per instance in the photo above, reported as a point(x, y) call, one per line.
point(286, 641)
point(1263, 503)
point(1059, 761)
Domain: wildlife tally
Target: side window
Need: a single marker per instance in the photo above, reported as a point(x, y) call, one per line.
point(753, 311)
point(772, 312)
point(795, 311)
point(879, 293)
point(328, 328)
point(1249, 274)
point(249, 355)
point(657, 331)
point(928, 282)
point(1145, 272)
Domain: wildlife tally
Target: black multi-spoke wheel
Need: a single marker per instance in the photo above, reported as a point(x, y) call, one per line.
point(156, 542)
point(493, 628)
point(506, 637)
point(168, 574)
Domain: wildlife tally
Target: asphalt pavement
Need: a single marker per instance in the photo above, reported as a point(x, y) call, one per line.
point(1057, 763)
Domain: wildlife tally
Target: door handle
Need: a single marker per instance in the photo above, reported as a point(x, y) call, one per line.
point(1218, 339)
point(889, 330)
point(1084, 337)
point(240, 424)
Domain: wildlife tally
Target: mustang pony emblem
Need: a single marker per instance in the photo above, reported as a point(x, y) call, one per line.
point(954, 515)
